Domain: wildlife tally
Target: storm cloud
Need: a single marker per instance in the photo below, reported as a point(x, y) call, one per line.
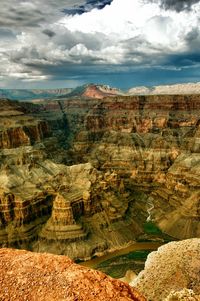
point(177, 5)
point(72, 42)
point(33, 13)
point(87, 6)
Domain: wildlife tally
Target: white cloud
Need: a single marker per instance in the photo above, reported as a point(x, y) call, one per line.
point(125, 33)
point(121, 18)
point(125, 19)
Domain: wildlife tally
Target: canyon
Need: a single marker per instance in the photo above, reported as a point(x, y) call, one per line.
point(84, 175)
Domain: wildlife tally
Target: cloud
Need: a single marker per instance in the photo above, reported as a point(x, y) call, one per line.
point(49, 33)
point(177, 5)
point(34, 13)
point(193, 39)
point(88, 6)
point(16, 14)
point(83, 39)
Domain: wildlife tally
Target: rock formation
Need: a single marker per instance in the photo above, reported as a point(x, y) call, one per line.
point(39, 95)
point(44, 205)
point(79, 176)
point(93, 91)
point(44, 277)
point(152, 143)
point(185, 88)
point(97, 91)
point(183, 295)
point(170, 271)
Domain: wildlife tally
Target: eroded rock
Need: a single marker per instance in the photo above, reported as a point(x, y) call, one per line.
point(44, 277)
point(174, 267)
point(143, 153)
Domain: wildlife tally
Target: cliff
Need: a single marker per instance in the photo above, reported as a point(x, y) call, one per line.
point(152, 143)
point(80, 176)
point(44, 277)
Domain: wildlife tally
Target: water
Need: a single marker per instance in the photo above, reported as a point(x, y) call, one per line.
point(152, 246)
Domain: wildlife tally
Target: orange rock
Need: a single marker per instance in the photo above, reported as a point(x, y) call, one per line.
point(44, 277)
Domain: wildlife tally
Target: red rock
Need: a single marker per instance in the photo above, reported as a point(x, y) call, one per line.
point(44, 277)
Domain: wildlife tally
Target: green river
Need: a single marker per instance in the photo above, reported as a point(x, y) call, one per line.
point(116, 263)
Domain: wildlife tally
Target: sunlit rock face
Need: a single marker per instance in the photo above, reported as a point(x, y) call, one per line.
point(43, 277)
point(152, 143)
point(172, 272)
point(186, 88)
point(48, 205)
point(183, 295)
point(79, 176)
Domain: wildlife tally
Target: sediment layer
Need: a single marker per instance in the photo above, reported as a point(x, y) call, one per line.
point(79, 176)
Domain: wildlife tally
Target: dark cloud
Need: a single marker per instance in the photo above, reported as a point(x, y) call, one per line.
point(17, 14)
point(67, 74)
point(81, 55)
point(193, 39)
point(35, 47)
point(89, 5)
point(183, 60)
point(33, 13)
point(177, 5)
point(49, 33)
point(67, 39)
point(7, 34)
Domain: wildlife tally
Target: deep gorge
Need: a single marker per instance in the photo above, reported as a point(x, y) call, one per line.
point(81, 176)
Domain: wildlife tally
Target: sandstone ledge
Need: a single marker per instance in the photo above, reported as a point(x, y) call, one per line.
point(31, 276)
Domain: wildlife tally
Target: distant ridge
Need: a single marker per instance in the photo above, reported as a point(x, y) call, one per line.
point(85, 91)
point(186, 88)
point(96, 91)
point(93, 91)
point(27, 95)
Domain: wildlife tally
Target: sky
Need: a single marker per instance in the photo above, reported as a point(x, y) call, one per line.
point(122, 43)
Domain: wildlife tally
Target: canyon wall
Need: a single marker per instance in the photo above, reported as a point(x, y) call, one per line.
point(153, 144)
point(79, 176)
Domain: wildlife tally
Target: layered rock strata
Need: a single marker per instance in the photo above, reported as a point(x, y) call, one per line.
point(143, 154)
point(152, 143)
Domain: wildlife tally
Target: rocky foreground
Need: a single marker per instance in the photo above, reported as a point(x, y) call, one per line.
point(27, 276)
point(172, 272)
